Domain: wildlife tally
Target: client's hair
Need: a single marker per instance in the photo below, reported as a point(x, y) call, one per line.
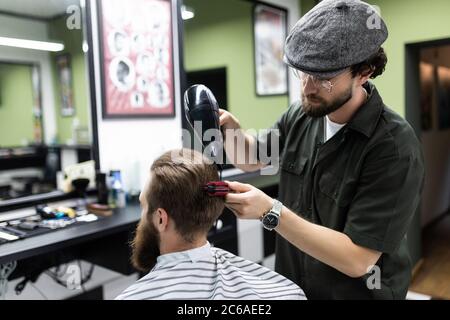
point(177, 179)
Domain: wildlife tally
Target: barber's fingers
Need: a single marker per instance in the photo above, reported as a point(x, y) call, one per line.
point(242, 211)
point(232, 198)
point(235, 198)
point(239, 192)
point(227, 120)
point(223, 117)
point(239, 187)
point(237, 209)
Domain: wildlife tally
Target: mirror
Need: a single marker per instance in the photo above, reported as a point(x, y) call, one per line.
point(45, 122)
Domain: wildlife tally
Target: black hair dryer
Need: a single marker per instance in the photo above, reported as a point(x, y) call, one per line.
point(202, 113)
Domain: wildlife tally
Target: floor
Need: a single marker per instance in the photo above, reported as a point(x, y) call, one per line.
point(433, 276)
point(111, 283)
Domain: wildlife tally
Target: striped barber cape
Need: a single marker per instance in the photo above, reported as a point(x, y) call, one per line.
point(211, 273)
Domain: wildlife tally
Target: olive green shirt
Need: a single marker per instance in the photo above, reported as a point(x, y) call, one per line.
point(365, 182)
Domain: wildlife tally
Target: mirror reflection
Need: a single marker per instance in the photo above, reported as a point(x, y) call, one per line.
point(44, 98)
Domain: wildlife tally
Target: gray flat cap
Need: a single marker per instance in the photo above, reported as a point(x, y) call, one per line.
point(334, 35)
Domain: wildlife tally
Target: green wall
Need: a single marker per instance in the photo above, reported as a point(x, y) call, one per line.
point(408, 21)
point(16, 105)
point(306, 5)
point(72, 40)
point(221, 35)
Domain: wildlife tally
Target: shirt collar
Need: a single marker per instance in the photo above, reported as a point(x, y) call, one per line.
point(192, 255)
point(367, 116)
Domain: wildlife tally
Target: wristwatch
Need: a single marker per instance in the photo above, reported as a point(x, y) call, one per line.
point(271, 219)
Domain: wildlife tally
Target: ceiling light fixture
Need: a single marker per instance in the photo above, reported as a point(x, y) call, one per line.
point(187, 12)
point(31, 44)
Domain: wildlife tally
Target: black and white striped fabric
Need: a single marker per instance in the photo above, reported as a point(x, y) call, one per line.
point(211, 273)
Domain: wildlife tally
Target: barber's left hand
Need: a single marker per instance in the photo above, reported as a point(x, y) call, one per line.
point(246, 201)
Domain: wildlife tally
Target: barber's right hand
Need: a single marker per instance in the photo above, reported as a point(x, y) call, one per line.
point(228, 121)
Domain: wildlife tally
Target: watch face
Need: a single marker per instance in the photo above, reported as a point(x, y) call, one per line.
point(270, 221)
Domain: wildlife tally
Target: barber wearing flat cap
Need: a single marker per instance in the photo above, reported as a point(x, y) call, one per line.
point(351, 169)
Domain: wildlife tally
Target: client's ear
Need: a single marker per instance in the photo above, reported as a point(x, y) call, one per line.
point(161, 219)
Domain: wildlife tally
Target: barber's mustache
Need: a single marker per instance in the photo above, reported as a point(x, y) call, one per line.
point(314, 97)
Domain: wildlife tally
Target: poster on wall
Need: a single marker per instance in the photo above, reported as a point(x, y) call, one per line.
point(136, 58)
point(63, 65)
point(269, 29)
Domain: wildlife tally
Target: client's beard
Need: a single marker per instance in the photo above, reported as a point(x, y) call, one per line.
point(323, 108)
point(145, 246)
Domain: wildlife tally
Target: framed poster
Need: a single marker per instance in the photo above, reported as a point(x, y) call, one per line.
point(269, 33)
point(64, 68)
point(136, 53)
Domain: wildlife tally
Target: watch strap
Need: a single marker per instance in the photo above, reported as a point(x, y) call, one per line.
point(277, 207)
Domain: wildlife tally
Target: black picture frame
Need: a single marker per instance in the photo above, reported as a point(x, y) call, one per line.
point(269, 34)
point(166, 87)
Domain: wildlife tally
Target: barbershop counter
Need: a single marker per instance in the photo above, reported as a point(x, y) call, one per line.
point(106, 241)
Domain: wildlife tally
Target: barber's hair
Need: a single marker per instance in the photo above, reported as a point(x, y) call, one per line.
point(375, 63)
point(177, 178)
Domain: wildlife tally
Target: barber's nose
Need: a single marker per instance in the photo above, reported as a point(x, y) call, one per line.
point(309, 86)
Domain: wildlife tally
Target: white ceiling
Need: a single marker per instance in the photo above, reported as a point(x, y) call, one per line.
point(36, 8)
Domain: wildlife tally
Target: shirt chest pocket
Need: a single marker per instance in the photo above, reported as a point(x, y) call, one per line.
point(336, 189)
point(293, 172)
point(294, 166)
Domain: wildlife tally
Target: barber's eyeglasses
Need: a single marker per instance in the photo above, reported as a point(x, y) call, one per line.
point(326, 84)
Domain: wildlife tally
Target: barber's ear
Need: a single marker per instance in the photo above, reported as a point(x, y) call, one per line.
point(161, 219)
point(363, 78)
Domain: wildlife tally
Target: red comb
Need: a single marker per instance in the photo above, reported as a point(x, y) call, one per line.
point(216, 188)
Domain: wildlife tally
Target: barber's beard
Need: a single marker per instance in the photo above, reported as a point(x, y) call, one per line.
point(321, 107)
point(145, 246)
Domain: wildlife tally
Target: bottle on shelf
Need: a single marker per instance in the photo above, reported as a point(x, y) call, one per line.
point(117, 198)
